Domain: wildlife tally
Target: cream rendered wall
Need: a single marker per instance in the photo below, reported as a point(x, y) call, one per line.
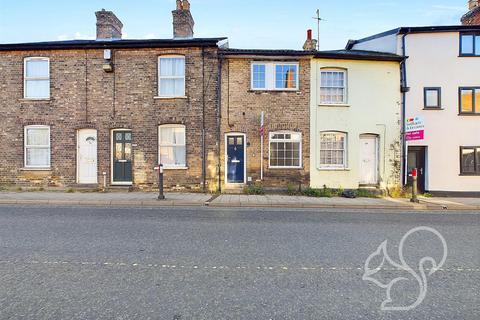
point(373, 107)
point(434, 62)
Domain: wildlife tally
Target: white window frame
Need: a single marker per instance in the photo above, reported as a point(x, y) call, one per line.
point(344, 87)
point(25, 78)
point(343, 166)
point(26, 146)
point(171, 77)
point(271, 134)
point(270, 74)
point(160, 145)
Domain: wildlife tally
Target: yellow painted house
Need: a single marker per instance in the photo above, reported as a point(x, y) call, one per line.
point(355, 116)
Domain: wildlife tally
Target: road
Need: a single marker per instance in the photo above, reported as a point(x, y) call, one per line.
point(204, 263)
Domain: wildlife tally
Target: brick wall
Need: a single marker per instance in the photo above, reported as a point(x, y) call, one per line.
point(84, 96)
point(284, 110)
point(472, 17)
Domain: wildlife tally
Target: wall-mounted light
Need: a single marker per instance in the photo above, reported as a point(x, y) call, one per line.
point(107, 56)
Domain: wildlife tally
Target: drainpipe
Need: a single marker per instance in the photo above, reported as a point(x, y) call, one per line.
point(404, 107)
point(204, 168)
point(219, 120)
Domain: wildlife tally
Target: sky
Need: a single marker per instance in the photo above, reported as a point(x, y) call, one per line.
point(268, 24)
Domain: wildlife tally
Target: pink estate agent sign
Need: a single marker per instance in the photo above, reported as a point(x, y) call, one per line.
point(414, 129)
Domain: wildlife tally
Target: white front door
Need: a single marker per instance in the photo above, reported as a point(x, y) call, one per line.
point(368, 159)
point(87, 156)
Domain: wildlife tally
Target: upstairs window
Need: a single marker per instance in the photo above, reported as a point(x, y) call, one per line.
point(333, 151)
point(432, 98)
point(280, 76)
point(333, 86)
point(470, 160)
point(37, 147)
point(171, 77)
point(285, 150)
point(171, 146)
point(470, 44)
point(469, 100)
point(36, 78)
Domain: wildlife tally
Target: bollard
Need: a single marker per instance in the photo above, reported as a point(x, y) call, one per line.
point(104, 182)
point(161, 196)
point(414, 198)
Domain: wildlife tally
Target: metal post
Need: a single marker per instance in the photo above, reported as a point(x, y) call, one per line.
point(161, 196)
point(262, 133)
point(104, 182)
point(414, 198)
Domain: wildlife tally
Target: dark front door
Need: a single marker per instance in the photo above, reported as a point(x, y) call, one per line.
point(235, 159)
point(122, 156)
point(416, 159)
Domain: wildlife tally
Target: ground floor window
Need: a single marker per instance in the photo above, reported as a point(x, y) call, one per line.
point(171, 145)
point(333, 150)
point(285, 150)
point(470, 160)
point(37, 146)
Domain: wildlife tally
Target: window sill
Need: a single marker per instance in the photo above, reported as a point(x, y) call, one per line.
point(35, 169)
point(175, 168)
point(169, 98)
point(469, 114)
point(469, 174)
point(34, 100)
point(274, 90)
point(468, 56)
point(433, 108)
point(334, 105)
point(333, 169)
point(285, 168)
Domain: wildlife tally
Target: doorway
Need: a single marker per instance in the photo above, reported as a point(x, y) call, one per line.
point(369, 159)
point(122, 157)
point(416, 159)
point(235, 158)
point(87, 156)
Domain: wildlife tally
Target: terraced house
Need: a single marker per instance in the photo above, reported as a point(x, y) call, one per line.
point(81, 112)
point(440, 86)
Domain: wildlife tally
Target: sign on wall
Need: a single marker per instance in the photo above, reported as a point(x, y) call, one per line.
point(415, 129)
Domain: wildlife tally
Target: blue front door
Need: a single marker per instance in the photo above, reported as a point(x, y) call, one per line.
point(235, 159)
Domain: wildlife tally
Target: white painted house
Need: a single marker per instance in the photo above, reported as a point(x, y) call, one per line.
point(441, 88)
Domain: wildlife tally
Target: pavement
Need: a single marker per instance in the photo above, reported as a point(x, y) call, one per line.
point(86, 262)
point(229, 200)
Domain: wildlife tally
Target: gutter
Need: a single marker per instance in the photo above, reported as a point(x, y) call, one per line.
point(129, 44)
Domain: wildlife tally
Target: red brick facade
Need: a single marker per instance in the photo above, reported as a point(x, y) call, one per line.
point(241, 109)
point(83, 95)
point(473, 16)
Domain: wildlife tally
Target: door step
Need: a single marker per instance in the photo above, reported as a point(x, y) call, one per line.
point(233, 189)
point(120, 189)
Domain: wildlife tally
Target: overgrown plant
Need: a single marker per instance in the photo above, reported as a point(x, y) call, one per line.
point(254, 189)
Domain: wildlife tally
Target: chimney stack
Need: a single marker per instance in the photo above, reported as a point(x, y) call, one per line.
point(310, 43)
point(472, 4)
point(182, 21)
point(472, 17)
point(109, 27)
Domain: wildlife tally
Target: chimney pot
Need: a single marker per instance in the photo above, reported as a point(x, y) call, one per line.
point(472, 4)
point(310, 43)
point(108, 25)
